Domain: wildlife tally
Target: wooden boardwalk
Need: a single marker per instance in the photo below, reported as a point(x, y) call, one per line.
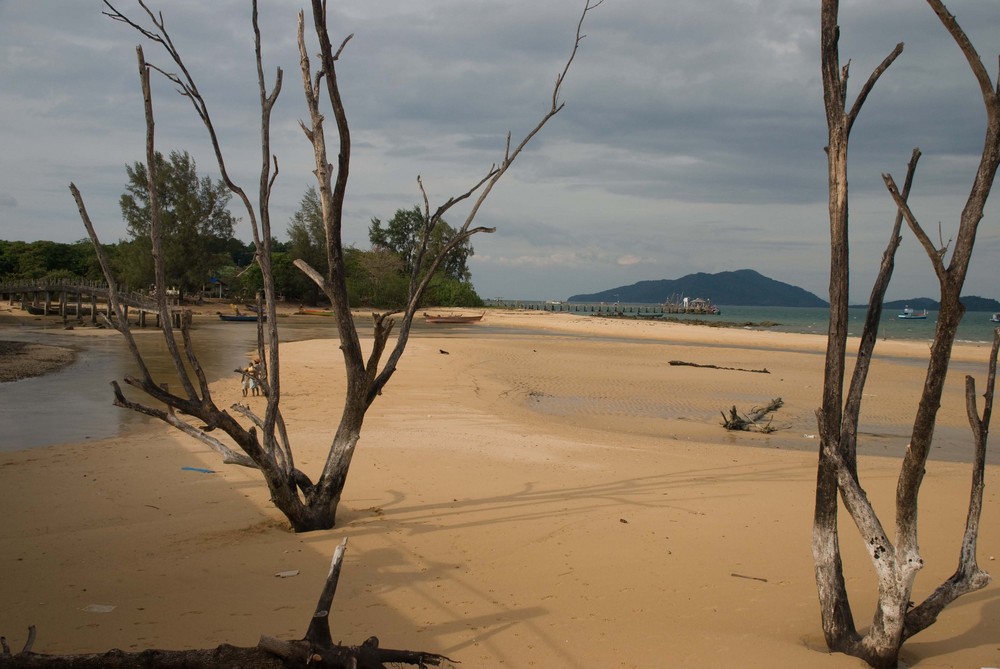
point(76, 299)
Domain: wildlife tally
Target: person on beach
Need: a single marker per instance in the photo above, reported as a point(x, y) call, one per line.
point(250, 382)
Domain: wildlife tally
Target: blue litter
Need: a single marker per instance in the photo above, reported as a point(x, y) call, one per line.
point(199, 469)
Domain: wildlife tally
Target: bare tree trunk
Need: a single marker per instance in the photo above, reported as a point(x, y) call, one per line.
point(898, 562)
point(308, 505)
point(365, 378)
point(838, 622)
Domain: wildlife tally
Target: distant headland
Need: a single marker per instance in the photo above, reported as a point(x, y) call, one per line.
point(747, 288)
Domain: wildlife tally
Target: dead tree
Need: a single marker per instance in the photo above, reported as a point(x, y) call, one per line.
point(307, 503)
point(896, 561)
point(315, 649)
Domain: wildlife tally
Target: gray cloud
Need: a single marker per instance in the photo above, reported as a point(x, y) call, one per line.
point(692, 137)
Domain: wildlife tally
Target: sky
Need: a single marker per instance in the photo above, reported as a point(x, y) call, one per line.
point(691, 139)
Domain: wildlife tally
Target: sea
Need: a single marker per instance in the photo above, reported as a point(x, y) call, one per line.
point(975, 327)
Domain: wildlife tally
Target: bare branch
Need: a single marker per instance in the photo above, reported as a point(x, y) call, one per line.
point(968, 577)
point(189, 89)
point(870, 84)
point(933, 252)
point(229, 456)
point(319, 627)
point(120, 323)
point(852, 407)
point(987, 88)
point(484, 187)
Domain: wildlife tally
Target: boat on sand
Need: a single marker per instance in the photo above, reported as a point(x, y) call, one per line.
point(452, 318)
point(303, 311)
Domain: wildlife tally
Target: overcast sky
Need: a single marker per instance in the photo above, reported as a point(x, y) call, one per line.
point(691, 140)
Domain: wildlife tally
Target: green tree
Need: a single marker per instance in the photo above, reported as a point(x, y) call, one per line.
point(197, 225)
point(46, 259)
point(403, 236)
point(376, 277)
point(307, 241)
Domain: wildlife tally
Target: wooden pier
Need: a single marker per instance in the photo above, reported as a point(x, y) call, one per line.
point(77, 299)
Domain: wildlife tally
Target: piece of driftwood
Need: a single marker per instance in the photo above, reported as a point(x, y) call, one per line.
point(315, 650)
point(681, 363)
point(752, 422)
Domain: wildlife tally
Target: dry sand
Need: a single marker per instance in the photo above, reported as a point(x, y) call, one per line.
point(549, 500)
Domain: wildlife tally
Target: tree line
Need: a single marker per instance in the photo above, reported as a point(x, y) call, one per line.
point(202, 255)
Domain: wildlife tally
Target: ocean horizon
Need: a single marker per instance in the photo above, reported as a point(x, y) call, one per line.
point(975, 327)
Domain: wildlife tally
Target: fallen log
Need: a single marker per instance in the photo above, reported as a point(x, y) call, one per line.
point(682, 363)
point(751, 421)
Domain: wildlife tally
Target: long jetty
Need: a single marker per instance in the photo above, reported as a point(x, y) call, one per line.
point(71, 297)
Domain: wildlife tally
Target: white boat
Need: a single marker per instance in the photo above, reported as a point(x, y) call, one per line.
point(995, 318)
point(910, 314)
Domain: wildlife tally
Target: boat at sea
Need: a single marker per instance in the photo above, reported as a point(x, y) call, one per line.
point(911, 315)
point(995, 318)
point(452, 318)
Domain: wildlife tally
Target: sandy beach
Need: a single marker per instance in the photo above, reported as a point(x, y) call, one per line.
point(559, 499)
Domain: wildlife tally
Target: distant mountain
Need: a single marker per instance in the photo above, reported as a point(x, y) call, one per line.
point(743, 287)
point(971, 302)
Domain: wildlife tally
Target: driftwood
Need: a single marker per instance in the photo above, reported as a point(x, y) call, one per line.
point(751, 421)
point(315, 650)
point(681, 363)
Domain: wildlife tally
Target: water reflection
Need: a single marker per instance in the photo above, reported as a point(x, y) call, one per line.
point(75, 404)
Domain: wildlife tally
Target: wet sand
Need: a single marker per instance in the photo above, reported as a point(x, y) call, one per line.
point(23, 360)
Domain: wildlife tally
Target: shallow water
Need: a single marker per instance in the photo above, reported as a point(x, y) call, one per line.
point(76, 403)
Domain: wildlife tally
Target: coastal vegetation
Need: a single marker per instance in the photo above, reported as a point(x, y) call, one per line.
point(375, 277)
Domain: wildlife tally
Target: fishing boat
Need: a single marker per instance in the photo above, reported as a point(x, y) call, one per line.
point(452, 318)
point(909, 314)
point(241, 318)
point(995, 318)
